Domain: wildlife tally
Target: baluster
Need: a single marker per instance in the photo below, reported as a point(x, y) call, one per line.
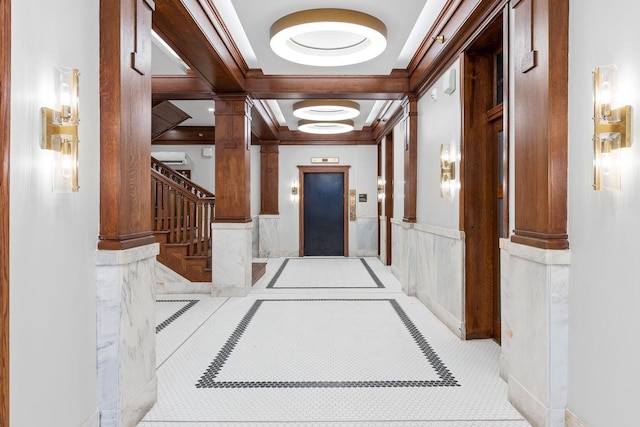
point(165, 210)
point(172, 216)
point(192, 224)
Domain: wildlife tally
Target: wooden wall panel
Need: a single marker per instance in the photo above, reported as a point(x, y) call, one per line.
point(5, 107)
point(233, 159)
point(125, 123)
point(388, 189)
point(540, 123)
point(410, 158)
point(269, 178)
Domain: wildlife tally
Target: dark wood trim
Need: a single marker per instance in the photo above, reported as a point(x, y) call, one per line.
point(506, 184)
point(261, 86)
point(388, 189)
point(468, 20)
point(191, 28)
point(269, 178)
point(323, 169)
point(410, 158)
point(481, 119)
point(125, 123)
point(379, 202)
point(191, 86)
point(541, 127)
point(263, 124)
point(289, 137)
point(5, 140)
point(188, 135)
point(233, 158)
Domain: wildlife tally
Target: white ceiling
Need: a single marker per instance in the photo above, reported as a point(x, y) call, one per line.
point(249, 22)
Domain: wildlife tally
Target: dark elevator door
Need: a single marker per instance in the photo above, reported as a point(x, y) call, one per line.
point(324, 214)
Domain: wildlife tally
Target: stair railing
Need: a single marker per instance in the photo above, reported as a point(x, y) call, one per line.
point(182, 209)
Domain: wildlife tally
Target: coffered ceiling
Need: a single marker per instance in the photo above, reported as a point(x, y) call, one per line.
point(246, 27)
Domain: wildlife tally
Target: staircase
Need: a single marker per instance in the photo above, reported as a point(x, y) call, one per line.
point(182, 213)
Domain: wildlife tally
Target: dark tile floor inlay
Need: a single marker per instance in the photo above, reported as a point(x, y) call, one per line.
point(174, 316)
point(208, 378)
point(272, 283)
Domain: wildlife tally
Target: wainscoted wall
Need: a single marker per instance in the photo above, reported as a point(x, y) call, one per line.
point(126, 335)
point(535, 318)
point(440, 273)
point(255, 236)
point(269, 239)
point(367, 236)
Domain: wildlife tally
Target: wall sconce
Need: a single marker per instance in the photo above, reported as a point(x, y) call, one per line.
point(60, 130)
point(380, 189)
point(294, 191)
point(611, 130)
point(447, 172)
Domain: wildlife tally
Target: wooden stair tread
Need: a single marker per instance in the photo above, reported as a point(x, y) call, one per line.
point(258, 269)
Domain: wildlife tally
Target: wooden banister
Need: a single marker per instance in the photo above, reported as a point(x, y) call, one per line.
point(182, 209)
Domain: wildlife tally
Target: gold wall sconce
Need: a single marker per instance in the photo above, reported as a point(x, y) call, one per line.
point(611, 129)
point(447, 172)
point(381, 184)
point(294, 191)
point(60, 130)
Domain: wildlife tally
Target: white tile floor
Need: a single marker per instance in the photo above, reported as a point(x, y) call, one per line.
point(323, 346)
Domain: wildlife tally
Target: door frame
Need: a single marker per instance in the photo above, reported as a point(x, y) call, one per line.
point(344, 170)
point(478, 194)
point(5, 142)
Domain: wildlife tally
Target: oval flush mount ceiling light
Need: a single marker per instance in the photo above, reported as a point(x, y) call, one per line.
point(328, 37)
point(325, 128)
point(326, 109)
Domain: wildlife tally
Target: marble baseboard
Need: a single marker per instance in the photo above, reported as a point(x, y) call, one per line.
point(165, 275)
point(367, 253)
point(571, 420)
point(183, 288)
point(504, 368)
point(526, 403)
point(133, 413)
point(269, 239)
point(452, 322)
point(92, 421)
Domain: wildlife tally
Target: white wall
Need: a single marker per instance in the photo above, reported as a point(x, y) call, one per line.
point(362, 177)
point(438, 123)
point(202, 168)
point(398, 170)
point(53, 235)
point(603, 227)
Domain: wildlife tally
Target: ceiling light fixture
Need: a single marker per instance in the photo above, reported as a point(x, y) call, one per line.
point(325, 128)
point(328, 37)
point(326, 109)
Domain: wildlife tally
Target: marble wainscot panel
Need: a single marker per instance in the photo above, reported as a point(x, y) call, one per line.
point(269, 236)
point(126, 284)
point(383, 240)
point(231, 259)
point(367, 236)
point(403, 255)
point(170, 282)
point(440, 274)
point(255, 237)
point(536, 320)
point(505, 306)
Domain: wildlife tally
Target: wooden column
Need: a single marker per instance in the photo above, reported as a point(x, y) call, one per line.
point(269, 163)
point(125, 124)
point(5, 108)
point(233, 158)
point(540, 122)
point(410, 107)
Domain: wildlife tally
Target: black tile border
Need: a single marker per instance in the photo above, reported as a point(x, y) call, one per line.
point(207, 380)
point(375, 278)
point(174, 316)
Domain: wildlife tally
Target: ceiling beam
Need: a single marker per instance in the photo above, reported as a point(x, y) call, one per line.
point(263, 125)
point(362, 137)
point(262, 86)
point(196, 32)
point(187, 135)
point(191, 86)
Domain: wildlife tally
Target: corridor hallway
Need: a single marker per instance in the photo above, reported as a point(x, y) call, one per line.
point(321, 342)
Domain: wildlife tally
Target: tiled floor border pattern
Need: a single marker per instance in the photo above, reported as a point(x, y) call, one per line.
point(275, 278)
point(174, 316)
point(207, 380)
